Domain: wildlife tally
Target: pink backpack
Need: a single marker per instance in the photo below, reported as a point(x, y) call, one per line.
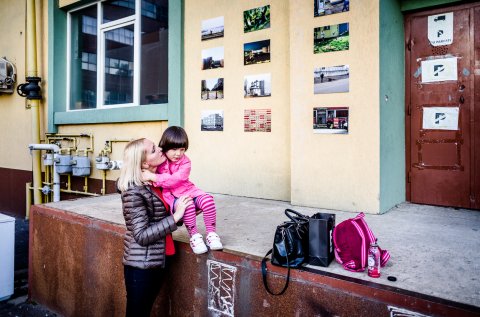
point(352, 239)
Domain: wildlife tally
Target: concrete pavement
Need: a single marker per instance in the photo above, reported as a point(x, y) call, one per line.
point(435, 250)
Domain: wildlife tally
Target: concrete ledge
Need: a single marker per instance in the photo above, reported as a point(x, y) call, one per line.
point(76, 270)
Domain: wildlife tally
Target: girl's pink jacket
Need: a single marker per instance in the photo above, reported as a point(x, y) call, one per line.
point(173, 178)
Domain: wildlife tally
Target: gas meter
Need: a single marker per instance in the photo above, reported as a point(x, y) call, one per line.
point(8, 76)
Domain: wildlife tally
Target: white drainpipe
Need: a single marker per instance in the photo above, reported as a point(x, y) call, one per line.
point(56, 177)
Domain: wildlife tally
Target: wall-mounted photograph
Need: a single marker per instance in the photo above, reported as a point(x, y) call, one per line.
point(331, 38)
point(212, 89)
point(326, 7)
point(330, 120)
point(256, 19)
point(256, 52)
point(212, 120)
point(257, 86)
point(212, 58)
point(212, 28)
point(258, 120)
point(331, 79)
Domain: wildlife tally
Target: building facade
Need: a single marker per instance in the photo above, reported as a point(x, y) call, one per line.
point(114, 71)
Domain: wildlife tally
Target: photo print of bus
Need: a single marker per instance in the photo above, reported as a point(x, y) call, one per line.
point(331, 120)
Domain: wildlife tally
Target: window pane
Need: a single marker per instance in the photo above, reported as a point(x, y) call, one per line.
point(114, 10)
point(154, 50)
point(83, 62)
point(118, 85)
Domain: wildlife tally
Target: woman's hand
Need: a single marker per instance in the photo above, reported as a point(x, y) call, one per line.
point(180, 206)
point(148, 177)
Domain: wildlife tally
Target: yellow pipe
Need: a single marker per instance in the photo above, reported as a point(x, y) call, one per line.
point(69, 182)
point(31, 48)
point(85, 187)
point(104, 179)
point(28, 195)
point(78, 192)
point(71, 139)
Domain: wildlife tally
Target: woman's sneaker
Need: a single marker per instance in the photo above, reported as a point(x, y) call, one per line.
point(197, 244)
point(213, 241)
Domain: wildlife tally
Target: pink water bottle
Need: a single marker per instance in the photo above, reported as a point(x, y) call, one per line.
point(374, 260)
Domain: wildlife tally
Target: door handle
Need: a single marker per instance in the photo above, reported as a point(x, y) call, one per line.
point(462, 99)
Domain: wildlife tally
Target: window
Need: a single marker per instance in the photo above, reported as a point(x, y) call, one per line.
point(118, 54)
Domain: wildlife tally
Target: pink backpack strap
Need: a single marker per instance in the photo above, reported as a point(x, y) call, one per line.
point(384, 256)
point(360, 218)
point(363, 260)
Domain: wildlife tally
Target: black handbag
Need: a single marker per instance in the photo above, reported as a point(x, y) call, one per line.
point(290, 246)
point(320, 229)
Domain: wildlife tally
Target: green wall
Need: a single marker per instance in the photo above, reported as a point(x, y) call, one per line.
point(57, 61)
point(392, 105)
point(407, 5)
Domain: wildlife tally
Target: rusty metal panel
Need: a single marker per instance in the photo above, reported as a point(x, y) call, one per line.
point(441, 162)
point(75, 269)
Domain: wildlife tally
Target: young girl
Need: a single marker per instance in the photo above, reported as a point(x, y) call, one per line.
point(173, 177)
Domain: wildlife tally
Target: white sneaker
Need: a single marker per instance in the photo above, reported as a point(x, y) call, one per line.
point(197, 244)
point(213, 241)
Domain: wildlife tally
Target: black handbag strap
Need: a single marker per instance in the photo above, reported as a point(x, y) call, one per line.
point(298, 216)
point(264, 275)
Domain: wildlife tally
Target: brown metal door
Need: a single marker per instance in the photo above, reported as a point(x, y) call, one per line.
point(442, 105)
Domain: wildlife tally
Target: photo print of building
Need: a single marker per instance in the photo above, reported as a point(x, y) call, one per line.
point(212, 28)
point(331, 120)
point(258, 120)
point(331, 79)
point(212, 89)
point(257, 86)
point(331, 38)
point(212, 120)
point(326, 7)
point(256, 19)
point(256, 52)
point(212, 58)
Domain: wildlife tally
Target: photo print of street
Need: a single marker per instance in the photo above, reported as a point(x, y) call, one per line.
point(326, 7)
point(212, 120)
point(212, 89)
point(330, 120)
point(331, 38)
point(331, 79)
point(212, 58)
point(257, 86)
point(256, 19)
point(212, 28)
point(256, 52)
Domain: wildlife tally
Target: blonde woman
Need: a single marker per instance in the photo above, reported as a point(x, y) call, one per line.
point(149, 225)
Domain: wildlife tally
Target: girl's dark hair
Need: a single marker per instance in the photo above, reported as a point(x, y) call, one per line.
point(173, 138)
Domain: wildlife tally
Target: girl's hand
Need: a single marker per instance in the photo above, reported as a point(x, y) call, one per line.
point(180, 206)
point(148, 176)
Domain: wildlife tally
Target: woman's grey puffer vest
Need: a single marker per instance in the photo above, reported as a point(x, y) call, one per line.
point(148, 222)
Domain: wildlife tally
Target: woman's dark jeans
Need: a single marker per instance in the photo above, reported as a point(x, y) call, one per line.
point(142, 286)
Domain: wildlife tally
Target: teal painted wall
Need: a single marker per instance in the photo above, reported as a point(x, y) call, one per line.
point(57, 47)
point(392, 105)
point(407, 5)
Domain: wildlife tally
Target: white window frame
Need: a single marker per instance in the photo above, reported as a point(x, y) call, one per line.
point(102, 28)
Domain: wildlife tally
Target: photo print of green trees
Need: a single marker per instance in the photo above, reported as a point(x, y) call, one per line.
point(256, 19)
point(331, 38)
